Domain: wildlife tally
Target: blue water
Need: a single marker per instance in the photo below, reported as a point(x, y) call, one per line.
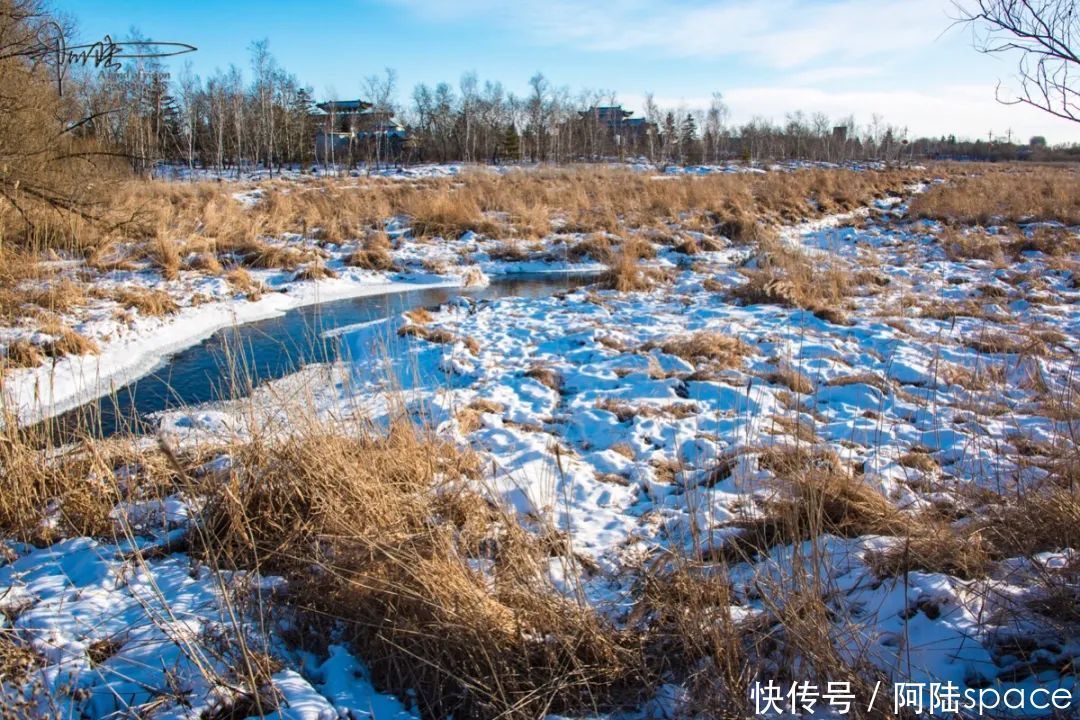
point(236, 359)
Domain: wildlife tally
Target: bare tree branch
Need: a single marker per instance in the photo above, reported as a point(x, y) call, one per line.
point(1044, 36)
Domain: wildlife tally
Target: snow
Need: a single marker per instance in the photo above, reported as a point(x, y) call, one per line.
point(131, 352)
point(622, 457)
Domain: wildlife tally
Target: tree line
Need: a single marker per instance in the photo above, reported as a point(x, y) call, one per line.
point(263, 116)
point(266, 118)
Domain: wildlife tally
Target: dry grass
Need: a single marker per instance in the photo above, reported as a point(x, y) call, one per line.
point(625, 273)
point(692, 634)
point(444, 595)
point(72, 489)
point(792, 379)
point(243, 282)
point(920, 460)
point(596, 247)
point(469, 417)
point(787, 276)
point(972, 244)
point(314, 272)
point(17, 661)
point(267, 256)
point(398, 574)
point(167, 218)
point(440, 336)
point(1010, 194)
point(444, 213)
point(420, 316)
point(66, 341)
point(371, 259)
point(1051, 241)
point(509, 251)
point(996, 342)
point(1009, 528)
point(934, 546)
point(374, 254)
point(154, 303)
point(61, 296)
point(981, 377)
point(204, 262)
point(546, 376)
point(164, 253)
point(872, 379)
point(721, 350)
point(435, 335)
point(819, 495)
point(22, 354)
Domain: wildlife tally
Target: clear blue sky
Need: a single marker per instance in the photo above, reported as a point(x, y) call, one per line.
point(768, 57)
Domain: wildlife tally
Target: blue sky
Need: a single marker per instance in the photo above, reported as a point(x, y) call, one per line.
point(897, 58)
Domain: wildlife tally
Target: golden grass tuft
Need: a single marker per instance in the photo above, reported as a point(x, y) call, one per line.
point(164, 253)
point(374, 254)
point(63, 296)
point(596, 247)
point(722, 350)
point(625, 272)
point(435, 335)
point(1051, 241)
point(997, 342)
point(972, 244)
point(262, 255)
point(469, 417)
point(204, 262)
point(935, 547)
point(1010, 194)
point(460, 641)
point(446, 213)
point(420, 316)
point(819, 495)
point(154, 303)
point(371, 259)
point(315, 271)
point(22, 354)
point(789, 277)
point(1009, 528)
point(243, 281)
point(792, 379)
point(509, 251)
point(919, 460)
point(66, 341)
point(546, 376)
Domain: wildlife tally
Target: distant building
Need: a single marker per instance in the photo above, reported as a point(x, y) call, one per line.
point(839, 133)
point(348, 130)
point(618, 121)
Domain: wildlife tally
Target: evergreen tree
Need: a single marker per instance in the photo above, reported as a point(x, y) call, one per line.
point(688, 139)
point(510, 147)
point(301, 108)
point(670, 136)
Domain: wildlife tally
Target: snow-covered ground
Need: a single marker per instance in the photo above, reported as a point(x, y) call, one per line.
point(657, 452)
point(132, 343)
point(434, 170)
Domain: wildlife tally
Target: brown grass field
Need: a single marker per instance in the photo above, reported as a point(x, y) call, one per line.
point(378, 531)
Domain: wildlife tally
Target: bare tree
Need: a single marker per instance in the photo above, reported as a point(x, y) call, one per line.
point(539, 114)
point(469, 101)
point(715, 118)
point(1043, 34)
point(51, 175)
point(381, 89)
point(652, 120)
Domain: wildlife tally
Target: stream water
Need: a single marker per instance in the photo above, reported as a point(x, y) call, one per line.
point(248, 355)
